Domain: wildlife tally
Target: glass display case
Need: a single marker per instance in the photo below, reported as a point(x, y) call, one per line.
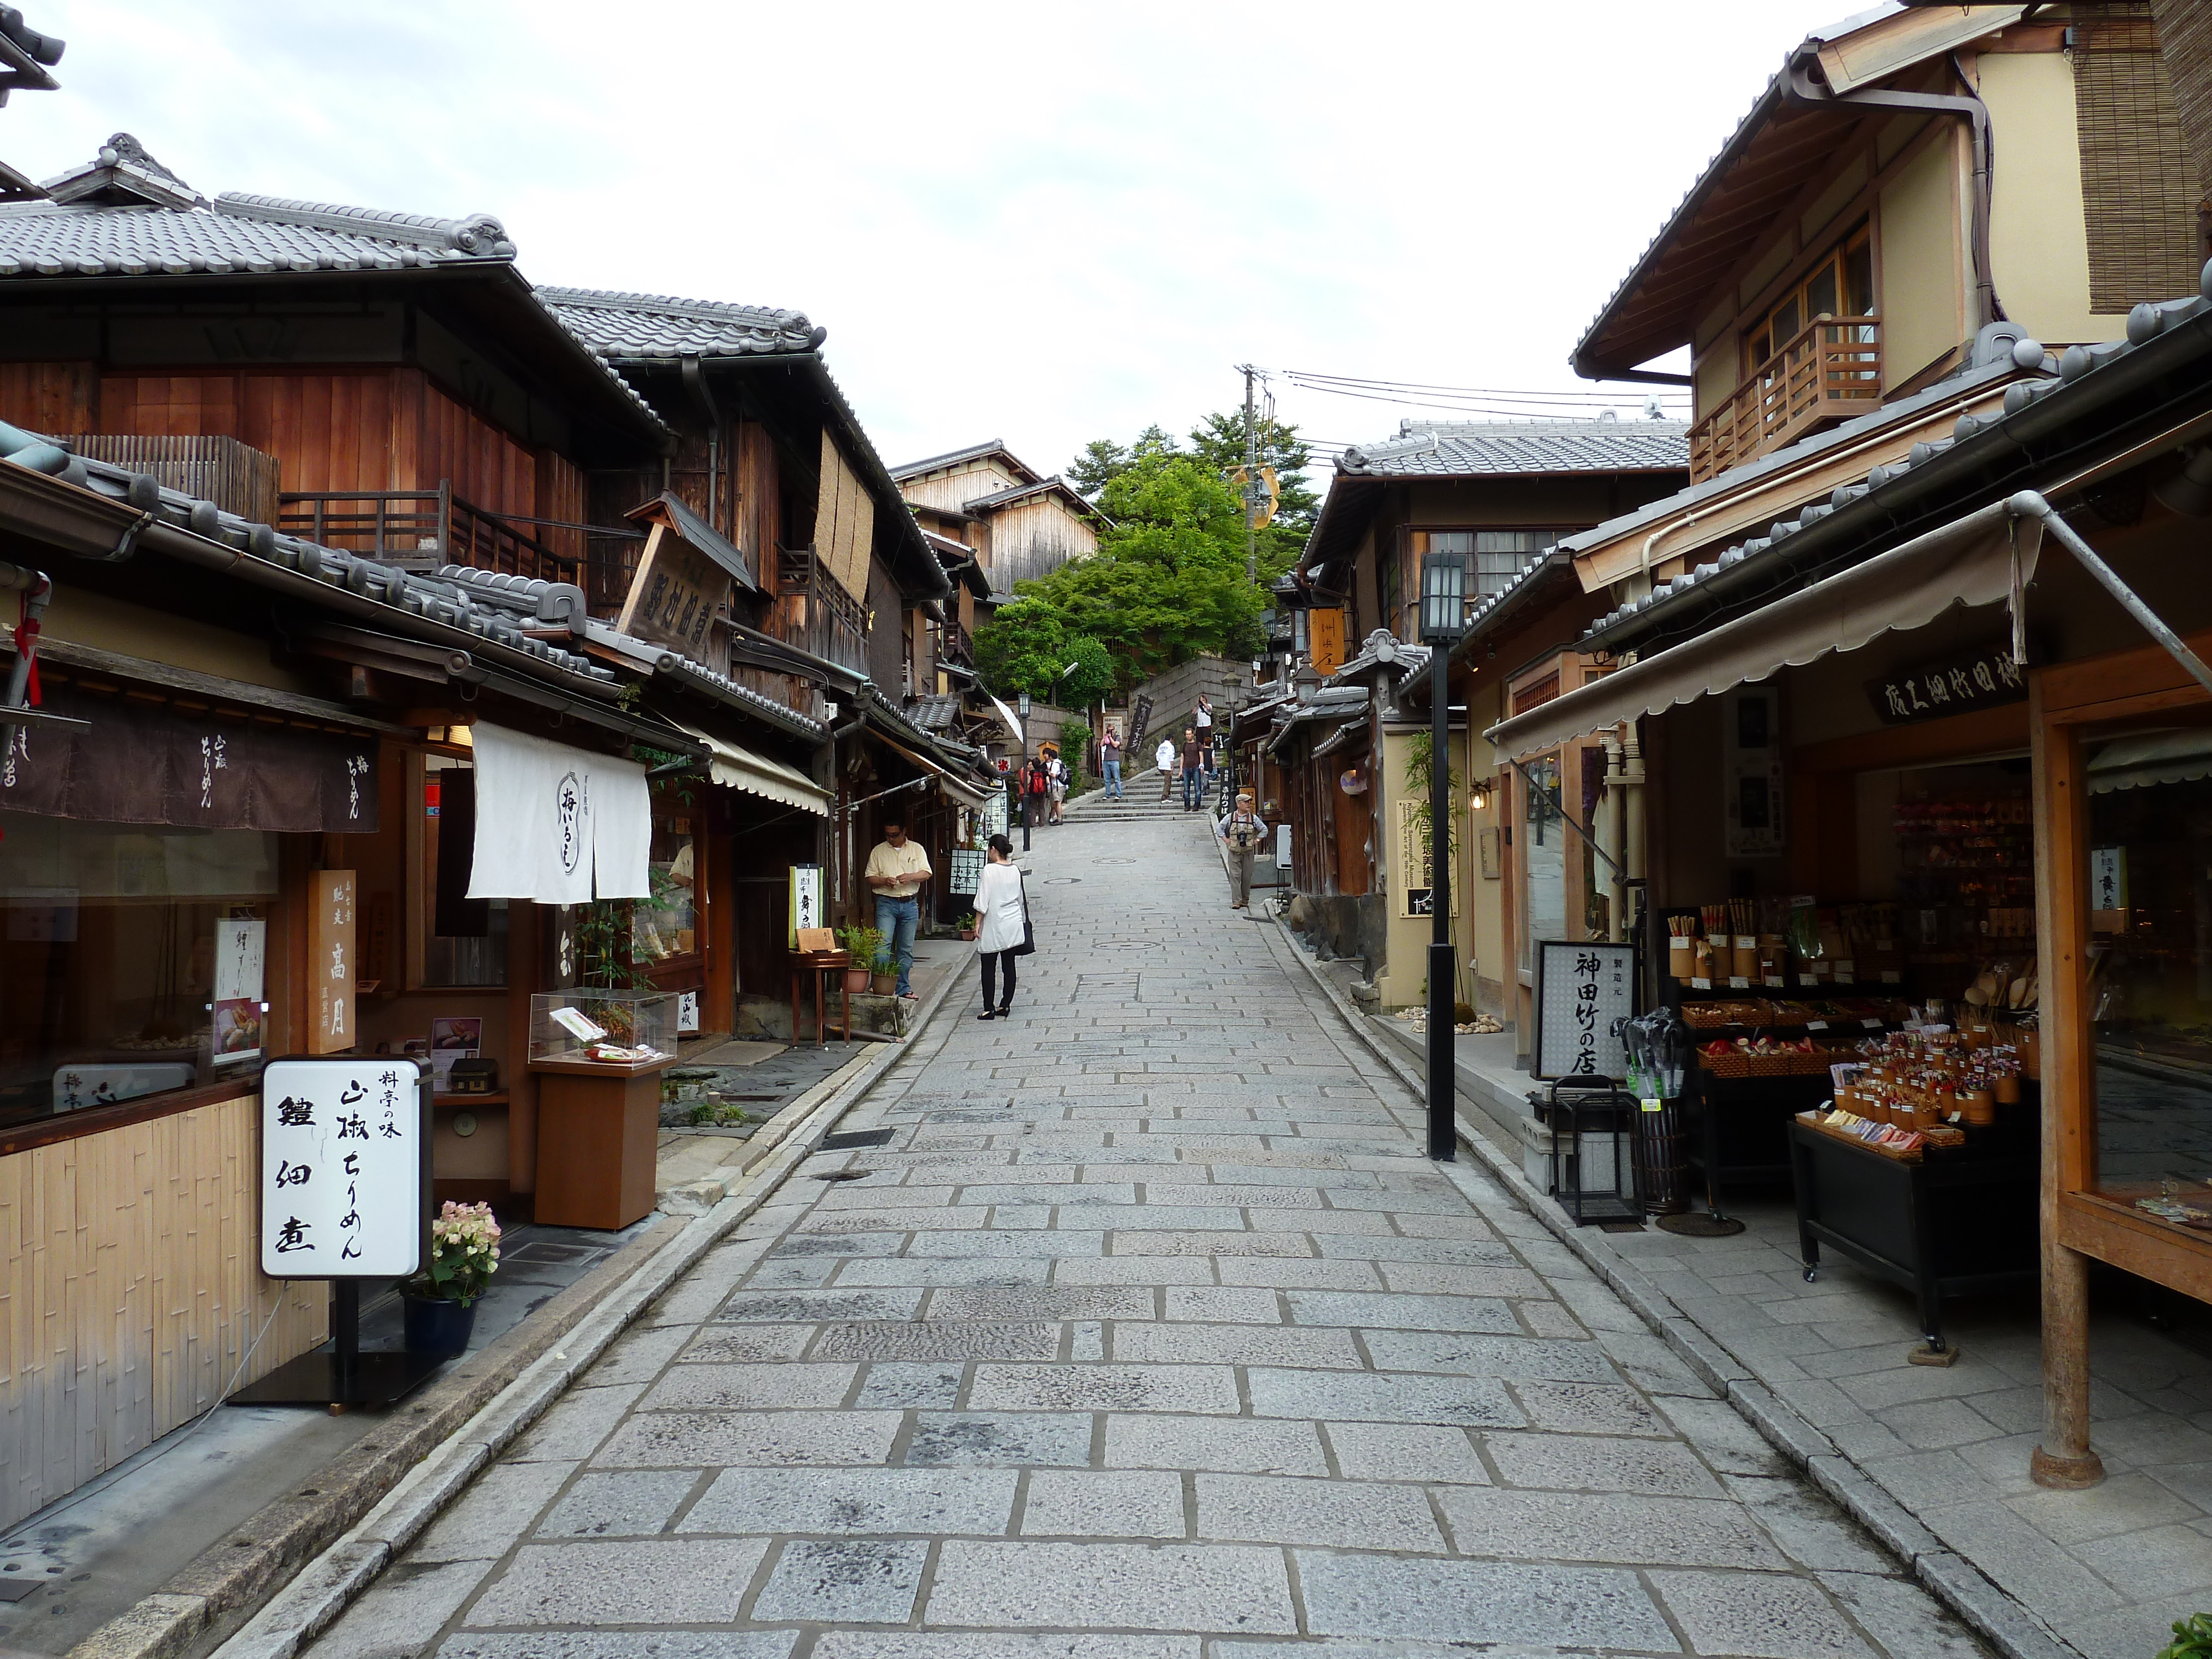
point(592, 1026)
point(664, 925)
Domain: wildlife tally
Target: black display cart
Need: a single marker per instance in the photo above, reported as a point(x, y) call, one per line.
point(1961, 1219)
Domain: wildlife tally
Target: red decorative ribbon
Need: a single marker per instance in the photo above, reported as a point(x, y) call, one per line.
point(27, 646)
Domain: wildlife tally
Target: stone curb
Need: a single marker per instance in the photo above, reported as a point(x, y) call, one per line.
point(1995, 1616)
point(314, 1567)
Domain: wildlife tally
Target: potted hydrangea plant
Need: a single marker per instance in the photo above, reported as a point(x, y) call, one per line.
point(440, 1302)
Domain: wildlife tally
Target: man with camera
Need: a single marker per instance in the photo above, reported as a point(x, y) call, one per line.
point(1243, 832)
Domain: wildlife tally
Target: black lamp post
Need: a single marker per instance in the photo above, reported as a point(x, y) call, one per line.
point(1022, 787)
point(1444, 621)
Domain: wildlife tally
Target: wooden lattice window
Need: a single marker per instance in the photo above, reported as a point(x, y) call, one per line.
point(2137, 184)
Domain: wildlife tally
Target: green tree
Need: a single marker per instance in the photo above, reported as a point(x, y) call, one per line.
point(1029, 648)
point(1102, 460)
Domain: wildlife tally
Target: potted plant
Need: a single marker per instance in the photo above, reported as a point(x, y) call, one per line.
point(438, 1303)
point(886, 974)
point(969, 926)
point(863, 945)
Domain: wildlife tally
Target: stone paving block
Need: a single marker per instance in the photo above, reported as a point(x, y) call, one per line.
point(403, 1611)
point(1132, 1270)
point(747, 1387)
point(494, 1511)
point(1333, 1514)
point(1007, 1272)
point(1104, 1503)
point(1406, 1451)
point(1163, 1218)
point(1576, 1462)
point(1210, 1243)
point(855, 1501)
point(1722, 1438)
point(1452, 1279)
point(1760, 1618)
point(1236, 1344)
point(1902, 1618)
point(1353, 1396)
point(709, 1439)
point(1321, 1223)
point(1166, 1587)
point(794, 1307)
point(669, 1581)
point(1406, 1313)
point(1026, 1243)
point(939, 1339)
point(1812, 1531)
point(1468, 1601)
point(632, 1503)
point(1012, 1439)
point(1067, 1195)
point(1298, 1273)
point(618, 1645)
point(856, 1581)
point(1550, 1319)
point(1634, 1531)
point(1233, 1446)
point(1588, 1407)
point(911, 1385)
point(639, 1356)
point(801, 1272)
point(1451, 1226)
point(1222, 1304)
point(1103, 1387)
point(1099, 1302)
point(575, 1425)
point(995, 1645)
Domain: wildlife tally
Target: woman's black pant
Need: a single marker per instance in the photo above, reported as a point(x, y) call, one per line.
point(991, 959)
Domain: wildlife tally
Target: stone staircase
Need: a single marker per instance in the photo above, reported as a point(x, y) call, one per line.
point(1141, 800)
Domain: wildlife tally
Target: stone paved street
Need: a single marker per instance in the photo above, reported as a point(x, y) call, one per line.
point(1149, 1334)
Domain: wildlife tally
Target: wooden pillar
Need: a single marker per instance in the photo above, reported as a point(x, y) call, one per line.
point(2064, 1458)
point(526, 970)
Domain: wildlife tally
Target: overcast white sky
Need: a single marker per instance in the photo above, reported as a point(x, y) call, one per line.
point(1037, 223)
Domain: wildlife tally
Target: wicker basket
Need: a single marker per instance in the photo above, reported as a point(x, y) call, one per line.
point(1767, 1065)
point(1812, 1064)
point(1730, 1064)
point(1703, 1017)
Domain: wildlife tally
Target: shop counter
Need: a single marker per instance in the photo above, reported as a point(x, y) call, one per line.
point(1941, 1221)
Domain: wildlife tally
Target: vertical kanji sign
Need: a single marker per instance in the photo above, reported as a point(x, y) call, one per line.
point(1585, 989)
point(331, 962)
point(342, 1194)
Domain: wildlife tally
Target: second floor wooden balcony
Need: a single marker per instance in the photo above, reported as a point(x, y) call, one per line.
point(423, 529)
point(814, 611)
point(1828, 371)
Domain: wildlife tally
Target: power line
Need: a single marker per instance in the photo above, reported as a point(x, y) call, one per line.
point(1314, 381)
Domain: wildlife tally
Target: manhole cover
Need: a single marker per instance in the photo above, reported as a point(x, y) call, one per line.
point(1060, 881)
point(1113, 860)
point(14, 1590)
point(838, 1143)
point(843, 1174)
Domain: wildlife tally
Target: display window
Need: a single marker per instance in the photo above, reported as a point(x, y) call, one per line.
point(464, 940)
point(665, 925)
point(133, 960)
point(2148, 841)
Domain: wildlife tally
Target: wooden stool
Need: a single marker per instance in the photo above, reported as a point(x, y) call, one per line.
point(815, 963)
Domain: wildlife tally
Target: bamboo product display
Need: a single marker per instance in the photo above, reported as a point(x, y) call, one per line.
point(1928, 1077)
point(1681, 946)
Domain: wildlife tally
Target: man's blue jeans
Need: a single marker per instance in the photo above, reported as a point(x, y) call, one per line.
point(896, 919)
point(1113, 780)
point(1193, 786)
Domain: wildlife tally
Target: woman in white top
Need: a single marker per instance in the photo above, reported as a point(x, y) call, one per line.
point(1001, 915)
point(1166, 755)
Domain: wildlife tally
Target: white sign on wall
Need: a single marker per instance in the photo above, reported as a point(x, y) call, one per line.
point(342, 1168)
point(1584, 991)
point(806, 906)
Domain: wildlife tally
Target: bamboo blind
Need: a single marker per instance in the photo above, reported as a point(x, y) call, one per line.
point(844, 521)
point(2137, 182)
point(131, 1288)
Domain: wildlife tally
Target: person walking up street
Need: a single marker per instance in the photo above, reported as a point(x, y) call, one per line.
point(1002, 913)
point(1193, 770)
point(1164, 757)
point(1109, 762)
point(1243, 832)
point(1202, 719)
point(898, 870)
point(1055, 773)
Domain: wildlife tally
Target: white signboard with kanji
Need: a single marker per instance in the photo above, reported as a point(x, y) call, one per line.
point(1584, 990)
point(342, 1168)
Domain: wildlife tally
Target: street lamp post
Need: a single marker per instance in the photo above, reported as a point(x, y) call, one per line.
point(1021, 778)
point(1444, 621)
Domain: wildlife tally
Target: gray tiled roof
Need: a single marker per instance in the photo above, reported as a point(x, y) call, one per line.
point(631, 327)
point(1488, 448)
point(935, 712)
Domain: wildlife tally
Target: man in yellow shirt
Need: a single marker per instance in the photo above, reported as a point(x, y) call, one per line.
point(897, 870)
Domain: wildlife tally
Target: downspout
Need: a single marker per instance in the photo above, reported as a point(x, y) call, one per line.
point(695, 382)
point(1613, 819)
point(1801, 90)
point(1632, 791)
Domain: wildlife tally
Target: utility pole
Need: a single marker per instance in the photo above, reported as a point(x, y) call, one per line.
point(1251, 480)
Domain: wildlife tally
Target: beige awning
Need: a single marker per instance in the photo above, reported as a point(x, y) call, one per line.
point(735, 766)
point(951, 782)
point(1966, 563)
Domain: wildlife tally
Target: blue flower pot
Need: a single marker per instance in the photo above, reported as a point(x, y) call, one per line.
point(437, 1326)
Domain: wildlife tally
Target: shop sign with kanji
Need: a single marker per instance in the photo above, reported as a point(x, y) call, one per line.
point(1975, 679)
point(1585, 991)
point(342, 1168)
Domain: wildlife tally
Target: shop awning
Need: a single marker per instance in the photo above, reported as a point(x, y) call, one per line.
point(954, 785)
point(1970, 562)
point(1013, 722)
point(736, 766)
point(2140, 760)
point(555, 824)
